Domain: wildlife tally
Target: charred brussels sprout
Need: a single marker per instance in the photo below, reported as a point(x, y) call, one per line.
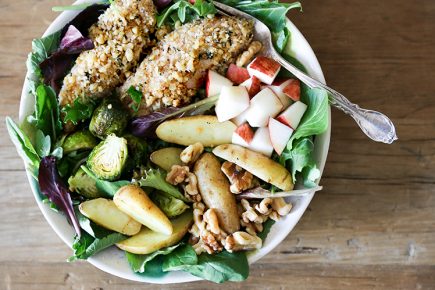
point(83, 184)
point(171, 206)
point(81, 140)
point(137, 151)
point(108, 118)
point(108, 159)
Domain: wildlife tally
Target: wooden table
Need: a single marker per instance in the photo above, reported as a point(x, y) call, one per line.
point(373, 225)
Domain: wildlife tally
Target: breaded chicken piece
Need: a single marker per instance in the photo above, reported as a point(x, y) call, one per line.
point(172, 73)
point(120, 36)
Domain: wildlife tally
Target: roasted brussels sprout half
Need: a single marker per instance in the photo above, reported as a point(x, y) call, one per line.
point(80, 140)
point(108, 118)
point(83, 184)
point(137, 151)
point(171, 206)
point(107, 160)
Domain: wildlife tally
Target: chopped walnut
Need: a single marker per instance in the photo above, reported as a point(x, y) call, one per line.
point(265, 206)
point(191, 153)
point(240, 179)
point(177, 174)
point(250, 214)
point(281, 207)
point(249, 54)
point(191, 188)
point(242, 241)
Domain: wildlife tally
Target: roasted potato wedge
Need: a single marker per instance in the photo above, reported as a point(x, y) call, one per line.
point(148, 241)
point(259, 165)
point(189, 130)
point(215, 191)
point(105, 213)
point(166, 157)
point(132, 200)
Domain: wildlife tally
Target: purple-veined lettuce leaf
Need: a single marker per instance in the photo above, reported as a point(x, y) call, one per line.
point(73, 41)
point(53, 187)
point(145, 126)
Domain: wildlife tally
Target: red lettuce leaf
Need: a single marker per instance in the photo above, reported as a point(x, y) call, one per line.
point(73, 42)
point(53, 187)
point(145, 126)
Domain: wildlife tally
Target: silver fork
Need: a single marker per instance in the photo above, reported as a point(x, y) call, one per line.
point(375, 125)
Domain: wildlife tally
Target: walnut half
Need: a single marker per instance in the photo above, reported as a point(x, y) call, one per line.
point(240, 179)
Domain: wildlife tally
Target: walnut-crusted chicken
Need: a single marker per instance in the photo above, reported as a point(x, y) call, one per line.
point(120, 36)
point(172, 73)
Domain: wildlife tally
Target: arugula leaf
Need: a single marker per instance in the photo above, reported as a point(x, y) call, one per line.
point(46, 116)
point(136, 96)
point(156, 179)
point(183, 11)
point(315, 119)
point(218, 268)
point(109, 188)
point(78, 111)
point(139, 262)
point(24, 146)
point(87, 246)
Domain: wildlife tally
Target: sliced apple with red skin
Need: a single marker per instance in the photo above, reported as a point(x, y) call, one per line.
point(264, 68)
point(293, 90)
point(240, 119)
point(253, 85)
point(261, 142)
point(232, 102)
point(214, 83)
point(263, 105)
point(293, 115)
point(279, 135)
point(237, 74)
point(281, 85)
point(243, 135)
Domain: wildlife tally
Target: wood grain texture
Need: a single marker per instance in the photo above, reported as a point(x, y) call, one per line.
point(373, 225)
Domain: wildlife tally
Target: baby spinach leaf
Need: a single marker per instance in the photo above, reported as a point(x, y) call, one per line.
point(87, 246)
point(154, 178)
point(139, 262)
point(24, 146)
point(43, 144)
point(218, 268)
point(109, 188)
point(79, 111)
point(267, 225)
point(46, 116)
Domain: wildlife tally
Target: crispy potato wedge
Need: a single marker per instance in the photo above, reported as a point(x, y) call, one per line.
point(166, 157)
point(148, 241)
point(215, 191)
point(133, 201)
point(189, 130)
point(259, 165)
point(105, 213)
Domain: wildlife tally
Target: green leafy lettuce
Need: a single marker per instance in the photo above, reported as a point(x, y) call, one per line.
point(108, 188)
point(79, 111)
point(136, 96)
point(154, 178)
point(183, 11)
point(138, 263)
point(170, 205)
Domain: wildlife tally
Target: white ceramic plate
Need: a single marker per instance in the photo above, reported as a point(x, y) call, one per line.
point(113, 260)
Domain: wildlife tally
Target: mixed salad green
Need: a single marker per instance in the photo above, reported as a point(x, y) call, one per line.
point(104, 153)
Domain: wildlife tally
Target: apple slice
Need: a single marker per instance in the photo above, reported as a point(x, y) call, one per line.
point(279, 135)
point(293, 89)
point(237, 74)
point(243, 135)
point(278, 87)
point(232, 102)
point(214, 83)
point(240, 119)
point(265, 104)
point(264, 68)
point(261, 142)
point(253, 85)
point(293, 115)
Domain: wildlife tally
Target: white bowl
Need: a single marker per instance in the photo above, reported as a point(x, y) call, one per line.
point(113, 260)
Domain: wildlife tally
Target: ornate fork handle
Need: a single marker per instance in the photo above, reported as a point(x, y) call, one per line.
point(375, 125)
